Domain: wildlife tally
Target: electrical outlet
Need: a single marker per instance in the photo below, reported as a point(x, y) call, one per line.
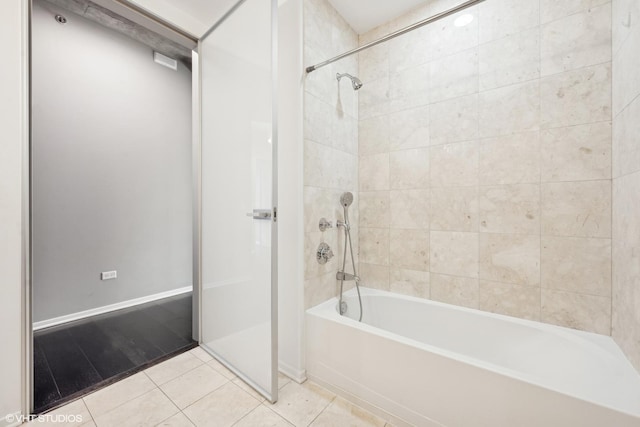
point(108, 275)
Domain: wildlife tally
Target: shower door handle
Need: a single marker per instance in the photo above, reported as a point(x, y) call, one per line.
point(260, 214)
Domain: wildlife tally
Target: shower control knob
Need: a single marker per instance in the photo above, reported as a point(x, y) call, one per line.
point(323, 225)
point(324, 253)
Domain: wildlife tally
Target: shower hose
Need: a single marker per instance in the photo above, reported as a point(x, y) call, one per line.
point(347, 238)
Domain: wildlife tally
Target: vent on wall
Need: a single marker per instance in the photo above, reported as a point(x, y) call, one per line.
point(165, 60)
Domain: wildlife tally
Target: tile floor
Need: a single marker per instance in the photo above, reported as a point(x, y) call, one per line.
point(193, 389)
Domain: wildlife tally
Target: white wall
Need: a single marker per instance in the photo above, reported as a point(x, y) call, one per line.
point(330, 147)
point(111, 168)
point(12, 124)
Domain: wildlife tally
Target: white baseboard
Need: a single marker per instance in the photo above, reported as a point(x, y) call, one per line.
point(297, 375)
point(108, 308)
point(16, 420)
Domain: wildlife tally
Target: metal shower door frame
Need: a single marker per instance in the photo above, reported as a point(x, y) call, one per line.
point(197, 267)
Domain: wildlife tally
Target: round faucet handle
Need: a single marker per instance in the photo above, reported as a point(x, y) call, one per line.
point(324, 253)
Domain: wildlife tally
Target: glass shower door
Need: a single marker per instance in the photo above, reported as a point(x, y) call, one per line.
point(238, 246)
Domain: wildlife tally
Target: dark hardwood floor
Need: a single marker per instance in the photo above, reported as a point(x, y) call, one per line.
point(78, 357)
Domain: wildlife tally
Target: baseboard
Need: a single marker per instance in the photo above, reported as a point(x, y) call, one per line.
point(297, 375)
point(364, 404)
point(15, 420)
point(108, 308)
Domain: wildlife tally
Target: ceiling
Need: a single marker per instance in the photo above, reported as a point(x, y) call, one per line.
point(110, 19)
point(193, 16)
point(365, 15)
point(196, 16)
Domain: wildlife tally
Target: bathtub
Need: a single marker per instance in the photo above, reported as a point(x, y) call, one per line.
point(431, 364)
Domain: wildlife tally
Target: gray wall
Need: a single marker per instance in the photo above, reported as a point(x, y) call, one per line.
point(111, 168)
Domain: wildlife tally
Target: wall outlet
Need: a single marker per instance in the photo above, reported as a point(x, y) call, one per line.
point(108, 275)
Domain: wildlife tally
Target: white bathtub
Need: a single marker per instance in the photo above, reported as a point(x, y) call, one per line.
point(432, 364)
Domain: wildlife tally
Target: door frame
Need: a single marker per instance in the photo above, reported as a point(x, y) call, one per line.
point(26, 326)
point(274, 198)
point(27, 396)
point(27, 321)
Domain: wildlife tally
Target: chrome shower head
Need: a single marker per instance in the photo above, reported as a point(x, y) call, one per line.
point(355, 82)
point(346, 199)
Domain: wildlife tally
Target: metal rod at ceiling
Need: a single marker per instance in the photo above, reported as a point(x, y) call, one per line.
point(395, 34)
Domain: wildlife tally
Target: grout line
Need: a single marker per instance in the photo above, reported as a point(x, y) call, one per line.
point(245, 415)
point(611, 260)
point(187, 417)
point(545, 288)
point(540, 26)
point(172, 402)
point(203, 397)
point(477, 169)
point(562, 291)
point(155, 386)
point(541, 234)
point(124, 403)
point(185, 372)
point(626, 175)
point(480, 92)
point(634, 27)
point(623, 109)
point(266, 404)
point(323, 409)
point(93, 417)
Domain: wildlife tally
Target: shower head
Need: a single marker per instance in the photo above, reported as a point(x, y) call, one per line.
point(346, 199)
point(355, 82)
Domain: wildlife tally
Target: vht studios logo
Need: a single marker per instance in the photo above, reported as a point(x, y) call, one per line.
point(44, 418)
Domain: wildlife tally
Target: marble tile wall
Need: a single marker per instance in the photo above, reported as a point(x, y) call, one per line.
point(626, 177)
point(485, 160)
point(330, 143)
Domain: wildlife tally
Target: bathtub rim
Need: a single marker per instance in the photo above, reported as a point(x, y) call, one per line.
point(328, 311)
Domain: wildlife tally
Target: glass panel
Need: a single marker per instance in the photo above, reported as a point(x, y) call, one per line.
point(237, 171)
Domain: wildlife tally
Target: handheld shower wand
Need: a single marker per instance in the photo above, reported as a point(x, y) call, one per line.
point(346, 200)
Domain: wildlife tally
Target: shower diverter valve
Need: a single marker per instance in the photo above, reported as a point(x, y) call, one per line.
point(324, 253)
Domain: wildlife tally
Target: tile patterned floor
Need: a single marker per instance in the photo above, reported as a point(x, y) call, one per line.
point(193, 389)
